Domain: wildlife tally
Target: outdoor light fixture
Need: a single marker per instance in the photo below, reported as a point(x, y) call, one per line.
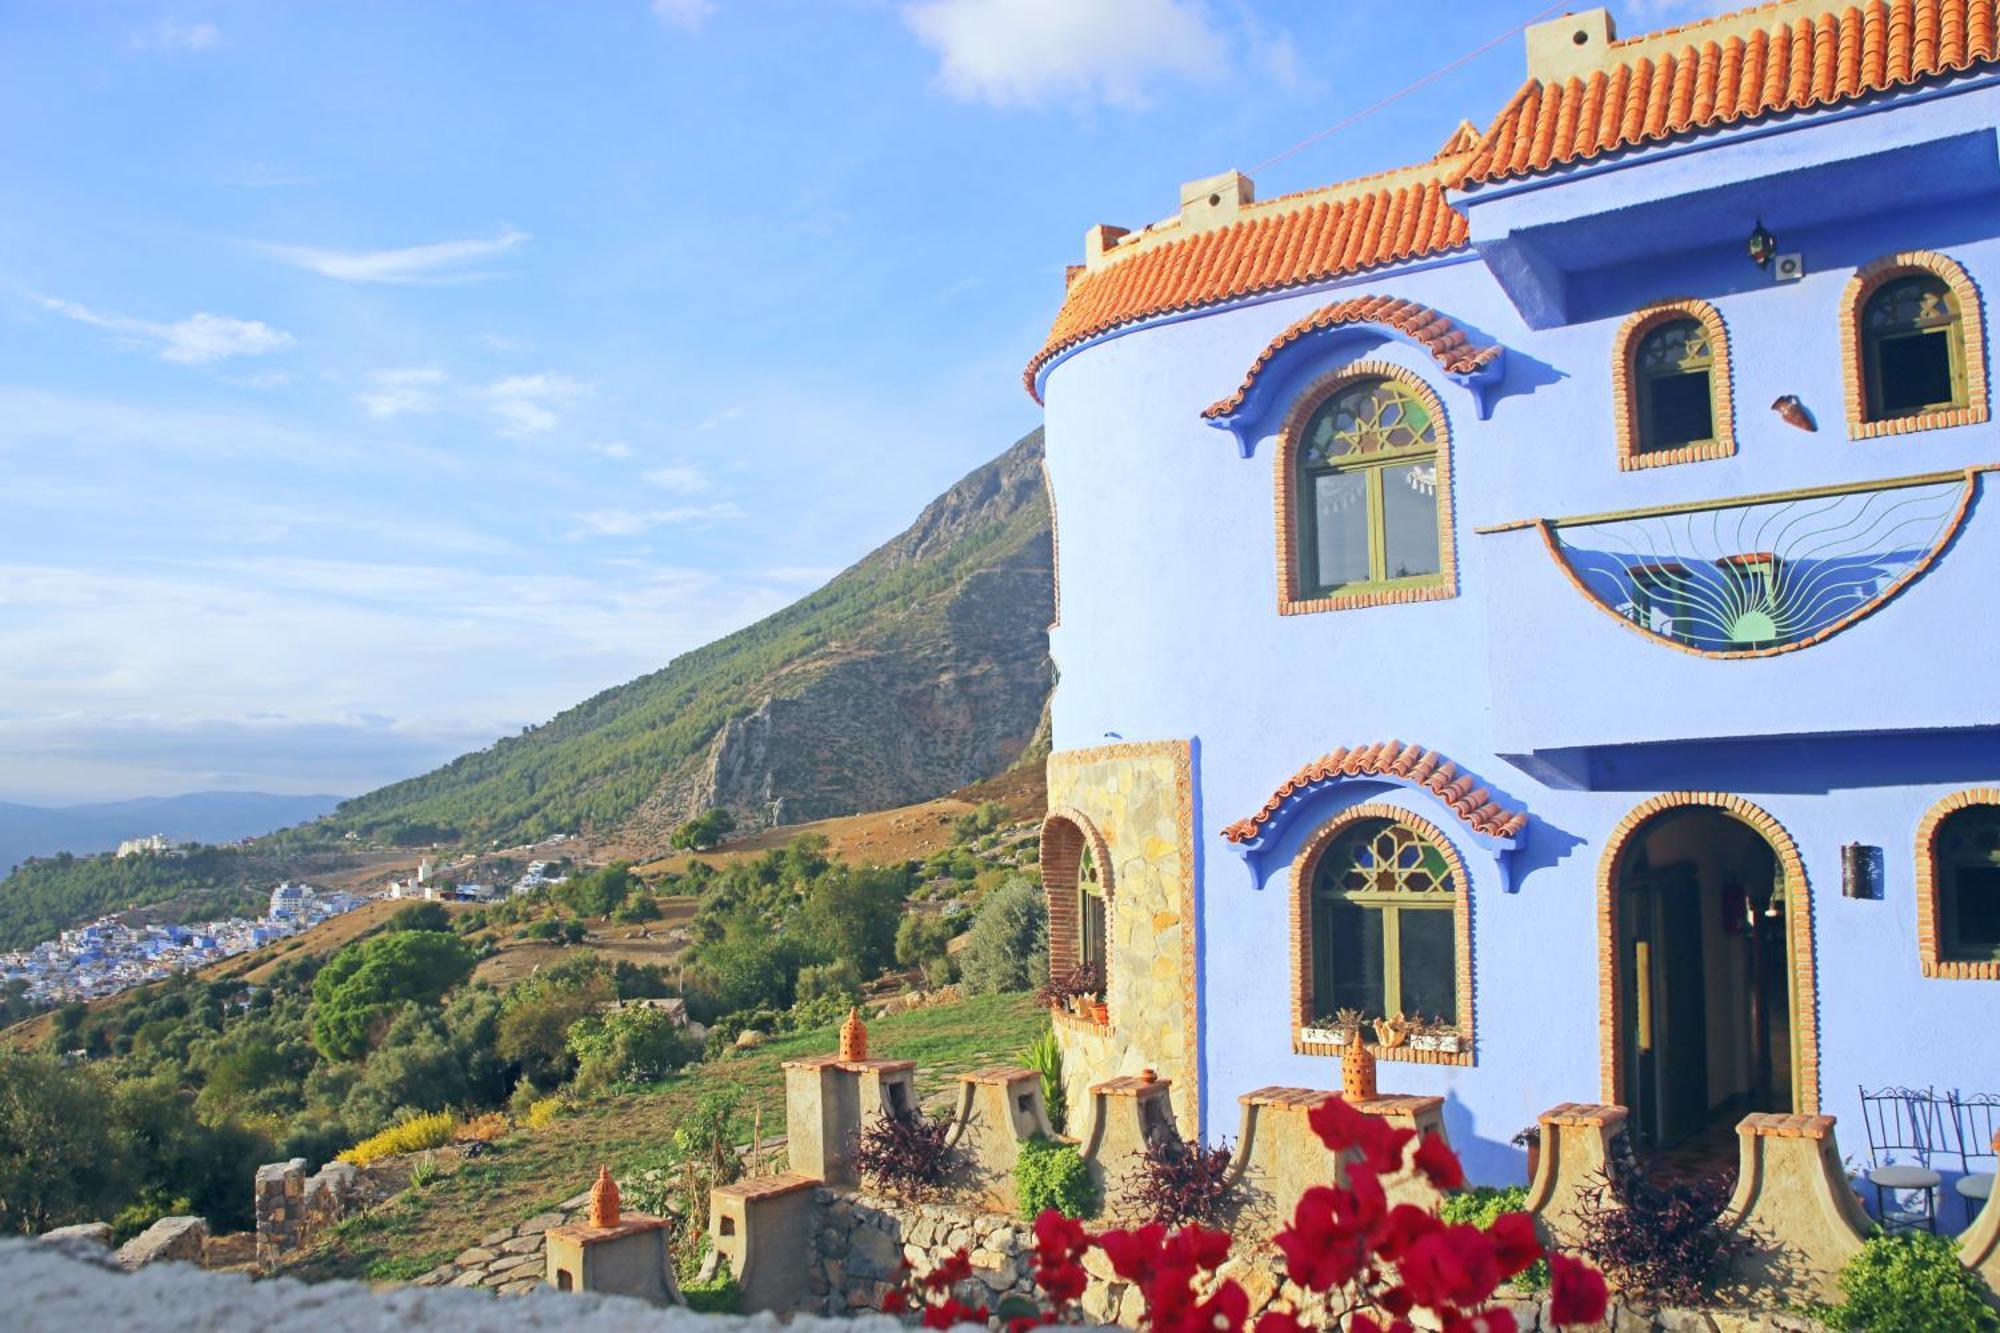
point(1860, 871)
point(1793, 412)
point(1762, 245)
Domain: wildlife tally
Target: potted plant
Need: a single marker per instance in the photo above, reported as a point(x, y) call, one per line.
point(1344, 1026)
point(1530, 1139)
point(1434, 1034)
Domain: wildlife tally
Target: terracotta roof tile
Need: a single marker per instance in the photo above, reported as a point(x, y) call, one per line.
point(1445, 341)
point(1787, 65)
point(1474, 805)
point(1270, 249)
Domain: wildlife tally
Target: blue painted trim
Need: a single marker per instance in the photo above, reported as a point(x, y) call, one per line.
point(1795, 120)
point(1464, 255)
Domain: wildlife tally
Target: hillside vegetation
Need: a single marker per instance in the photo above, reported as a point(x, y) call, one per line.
point(919, 669)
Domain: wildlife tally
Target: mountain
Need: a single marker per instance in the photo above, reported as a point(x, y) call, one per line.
point(919, 669)
point(203, 816)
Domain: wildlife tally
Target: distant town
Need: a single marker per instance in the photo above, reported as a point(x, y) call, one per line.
point(110, 955)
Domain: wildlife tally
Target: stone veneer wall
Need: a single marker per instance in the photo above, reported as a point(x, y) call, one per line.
point(1140, 797)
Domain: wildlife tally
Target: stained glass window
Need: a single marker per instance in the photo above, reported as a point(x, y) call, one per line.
point(1673, 372)
point(1968, 876)
point(1385, 925)
point(1369, 489)
point(1913, 344)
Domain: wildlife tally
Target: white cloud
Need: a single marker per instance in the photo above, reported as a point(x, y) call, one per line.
point(1030, 52)
point(719, 417)
point(611, 449)
point(199, 339)
point(688, 14)
point(678, 480)
point(633, 522)
point(439, 262)
point(526, 404)
point(172, 35)
point(391, 393)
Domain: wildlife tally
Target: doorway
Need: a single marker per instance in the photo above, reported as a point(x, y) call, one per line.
point(1704, 975)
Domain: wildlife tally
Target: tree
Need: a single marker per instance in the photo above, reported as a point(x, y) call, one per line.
point(59, 1158)
point(359, 990)
point(704, 831)
point(421, 916)
point(599, 893)
point(851, 915)
point(536, 1016)
point(1009, 948)
point(415, 1069)
point(634, 1045)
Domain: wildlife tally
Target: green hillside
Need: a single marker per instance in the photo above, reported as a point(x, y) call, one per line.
point(593, 765)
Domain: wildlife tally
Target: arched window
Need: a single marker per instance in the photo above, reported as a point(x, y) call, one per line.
point(1673, 374)
point(1670, 376)
point(1091, 919)
point(1385, 925)
point(1368, 491)
point(1913, 348)
point(1967, 870)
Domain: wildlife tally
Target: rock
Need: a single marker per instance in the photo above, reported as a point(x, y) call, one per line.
point(1683, 1321)
point(522, 1244)
point(749, 1039)
point(872, 1254)
point(521, 1288)
point(1132, 1307)
point(171, 1239)
point(1100, 1301)
point(571, 1204)
point(472, 1279)
point(1098, 1266)
point(493, 1240)
point(437, 1277)
point(539, 1223)
point(476, 1255)
point(94, 1233)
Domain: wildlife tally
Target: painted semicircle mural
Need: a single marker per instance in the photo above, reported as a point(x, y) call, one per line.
point(1764, 574)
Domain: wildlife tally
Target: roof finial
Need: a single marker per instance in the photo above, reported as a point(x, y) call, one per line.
point(853, 1037)
point(604, 1199)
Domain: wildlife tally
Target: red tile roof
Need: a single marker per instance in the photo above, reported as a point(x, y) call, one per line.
point(1282, 243)
point(1704, 75)
point(1474, 805)
point(1787, 64)
point(1445, 341)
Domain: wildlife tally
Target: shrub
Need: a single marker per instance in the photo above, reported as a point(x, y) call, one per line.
point(412, 1135)
point(1009, 945)
point(545, 1111)
point(425, 1172)
point(721, 1294)
point(362, 987)
point(1659, 1244)
point(636, 1045)
point(1052, 1175)
point(1480, 1206)
point(482, 1128)
point(906, 1154)
point(1044, 1056)
point(421, 916)
point(1913, 1282)
point(1176, 1183)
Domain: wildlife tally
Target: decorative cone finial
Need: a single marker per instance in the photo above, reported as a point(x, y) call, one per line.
point(1357, 1068)
point(604, 1199)
point(853, 1037)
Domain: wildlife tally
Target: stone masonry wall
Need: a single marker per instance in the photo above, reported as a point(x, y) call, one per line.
point(1140, 799)
point(860, 1242)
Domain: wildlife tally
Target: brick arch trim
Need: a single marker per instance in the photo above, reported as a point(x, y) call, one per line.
point(1066, 831)
point(1798, 911)
point(1625, 390)
point(1929, 908)
point(1972, 325)
point(1291, 437)
point(1301, 922)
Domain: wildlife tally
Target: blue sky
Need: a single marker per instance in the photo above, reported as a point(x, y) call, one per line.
point(378, 378)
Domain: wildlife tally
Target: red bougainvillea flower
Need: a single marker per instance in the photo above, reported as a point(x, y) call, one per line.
point(1515, 1243)
point(1576, 1291)
point(1404, 1227)
point(1060, 1243)
point(952, 1313)
point(1280, 1321)
point(1341, 1127)
point(1486, 1321)
point(1321, 1251)
point(895, 1301)
point(949, 1273)
point(1436, 1159)
point(1453, 1269)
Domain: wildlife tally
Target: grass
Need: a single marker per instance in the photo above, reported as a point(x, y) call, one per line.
point(534, 1171)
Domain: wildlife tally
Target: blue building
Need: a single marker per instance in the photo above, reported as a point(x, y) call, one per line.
point(1537, 603)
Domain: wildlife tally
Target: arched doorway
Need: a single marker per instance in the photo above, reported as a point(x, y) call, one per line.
point(1706, 937)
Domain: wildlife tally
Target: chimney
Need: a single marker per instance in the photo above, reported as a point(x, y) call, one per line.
point(1572, 46)
point(1215, 198)
point(1097, 242)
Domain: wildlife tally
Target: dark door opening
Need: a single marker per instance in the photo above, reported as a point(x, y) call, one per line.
point(1704, 977)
